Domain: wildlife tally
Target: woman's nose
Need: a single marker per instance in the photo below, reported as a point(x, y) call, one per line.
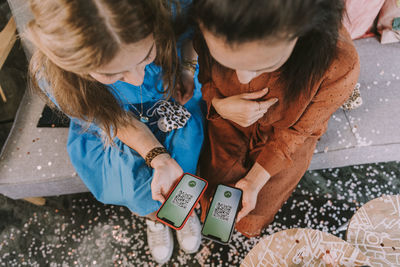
point(135, 76)
point(245, 77)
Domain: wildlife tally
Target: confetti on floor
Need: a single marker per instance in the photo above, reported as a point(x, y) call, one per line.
point(76, 230)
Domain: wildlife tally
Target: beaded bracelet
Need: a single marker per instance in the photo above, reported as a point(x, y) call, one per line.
point(154, 153)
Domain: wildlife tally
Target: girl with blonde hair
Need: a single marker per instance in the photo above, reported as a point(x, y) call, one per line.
point(113, 66)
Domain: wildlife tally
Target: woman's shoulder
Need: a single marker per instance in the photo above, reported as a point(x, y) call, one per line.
point(347, 55)
point(346, 46)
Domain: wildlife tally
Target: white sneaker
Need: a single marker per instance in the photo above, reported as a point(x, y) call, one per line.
point(160, 241)
point(189, 237)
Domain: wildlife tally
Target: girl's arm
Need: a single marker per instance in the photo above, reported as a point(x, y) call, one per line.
point(166, 170)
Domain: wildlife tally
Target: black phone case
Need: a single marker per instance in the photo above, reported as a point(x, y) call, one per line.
point(234, 222)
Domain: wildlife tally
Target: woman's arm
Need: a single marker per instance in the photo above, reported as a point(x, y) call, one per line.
point(188, 52)
point(138, 136)
point(251, 185)
point(186, 86)
point(166, 170)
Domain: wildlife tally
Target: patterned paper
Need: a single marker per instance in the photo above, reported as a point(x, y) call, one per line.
point(303, 247)
point(375, 230)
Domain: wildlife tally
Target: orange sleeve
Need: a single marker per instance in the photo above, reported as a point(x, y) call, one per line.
point(209, 91)
point(208, 88)
point(334, 90)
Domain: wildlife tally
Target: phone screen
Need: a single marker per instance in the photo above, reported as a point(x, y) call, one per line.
point(180, 202)
point(222, 213)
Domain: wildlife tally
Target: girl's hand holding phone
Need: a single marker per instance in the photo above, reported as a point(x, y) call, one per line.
point(166, 173)
point(251, 185)
point(181, 201)
point(243, 109)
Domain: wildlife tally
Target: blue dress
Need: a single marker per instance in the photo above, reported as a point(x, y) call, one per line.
point(117, 174)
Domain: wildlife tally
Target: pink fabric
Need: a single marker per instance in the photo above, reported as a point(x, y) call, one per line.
point(389, 11)
point(360, 16)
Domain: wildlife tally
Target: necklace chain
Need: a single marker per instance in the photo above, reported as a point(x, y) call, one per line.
point(143, 118)
point(164, 111)
point(141, 103)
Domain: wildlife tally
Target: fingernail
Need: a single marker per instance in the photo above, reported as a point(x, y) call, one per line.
point(265, 89)
point(276, 100)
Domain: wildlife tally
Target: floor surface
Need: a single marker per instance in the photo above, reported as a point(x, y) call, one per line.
point(77, 230)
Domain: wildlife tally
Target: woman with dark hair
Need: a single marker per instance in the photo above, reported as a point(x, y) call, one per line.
point(112, 66)
point(273, 72)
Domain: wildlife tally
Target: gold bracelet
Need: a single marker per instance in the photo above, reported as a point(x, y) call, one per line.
point(154, 153)
point(189, 65)
point(191, 62)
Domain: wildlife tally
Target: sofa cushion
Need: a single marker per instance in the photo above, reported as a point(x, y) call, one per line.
point(34, 161)
point(389, 22)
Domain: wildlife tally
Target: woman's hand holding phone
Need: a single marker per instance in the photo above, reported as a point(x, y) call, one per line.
point(243, 109)
point(251, 185)
point(249, 198)
point(166, 173)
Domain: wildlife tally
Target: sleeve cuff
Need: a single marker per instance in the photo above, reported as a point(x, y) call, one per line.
point(212, 114)
point(209, 92)
point(273, 160)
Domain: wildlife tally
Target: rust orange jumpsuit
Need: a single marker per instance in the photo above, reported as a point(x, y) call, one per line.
point(282, 141)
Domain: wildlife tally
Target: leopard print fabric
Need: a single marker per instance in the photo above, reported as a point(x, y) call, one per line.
point(355, 100)
point(172, 116)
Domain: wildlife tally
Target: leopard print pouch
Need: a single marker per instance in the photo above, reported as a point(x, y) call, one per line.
point(172, 116)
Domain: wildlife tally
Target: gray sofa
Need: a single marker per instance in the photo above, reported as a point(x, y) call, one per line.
point(34, 161)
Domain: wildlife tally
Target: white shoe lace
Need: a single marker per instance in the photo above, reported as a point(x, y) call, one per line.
point(158, 237)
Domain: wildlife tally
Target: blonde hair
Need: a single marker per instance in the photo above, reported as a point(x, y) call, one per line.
point(75, 37)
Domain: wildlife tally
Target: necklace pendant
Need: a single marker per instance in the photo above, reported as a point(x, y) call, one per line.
point(144, 119)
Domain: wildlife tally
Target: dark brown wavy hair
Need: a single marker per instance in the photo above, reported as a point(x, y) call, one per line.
point(315, 23)
point(74, 37)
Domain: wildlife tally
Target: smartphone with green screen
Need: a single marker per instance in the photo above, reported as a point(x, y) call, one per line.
point(181, 201)
point(221, 216)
